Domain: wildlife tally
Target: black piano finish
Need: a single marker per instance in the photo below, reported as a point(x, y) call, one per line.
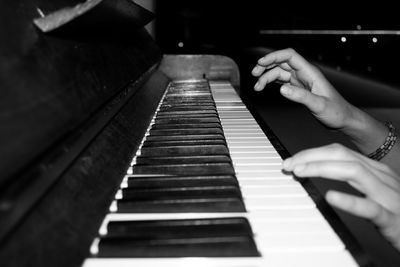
point(53, 83)
point(62, 108)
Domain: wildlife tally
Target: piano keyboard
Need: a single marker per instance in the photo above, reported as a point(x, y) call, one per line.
point(206, 188)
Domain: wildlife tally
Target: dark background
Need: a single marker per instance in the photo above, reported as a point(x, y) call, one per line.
point(233, 28)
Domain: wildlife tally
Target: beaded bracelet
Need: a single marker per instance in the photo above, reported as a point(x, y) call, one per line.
point(390, 141)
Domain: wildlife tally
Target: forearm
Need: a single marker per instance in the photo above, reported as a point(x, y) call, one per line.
point(368, 134)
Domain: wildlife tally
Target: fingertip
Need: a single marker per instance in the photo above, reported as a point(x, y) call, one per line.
point(256, 71)
point(299, 169)
point(258, 86)
point(260, 61)
point(286, 164)
point(332, 196)
point(286, 91)
point(336, 199)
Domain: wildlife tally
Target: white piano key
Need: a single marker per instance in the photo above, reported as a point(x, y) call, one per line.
point(260, 168)
point(232, 141)
point(252, 149)
point(289, 214)
point(267, 182)
point(269, 259)
point(268, 191)
point(258, 159)
point(272, 175)
point(247, 135)
point(242, 130)
point(261, 228)
point(228, 115)
point(298, 242)
point(252, 146)
point(239, 123)
point(276, 202)
point(246, 127)
point(250, 142)
point(245, 138)
point(310, 259)
point(265, 153)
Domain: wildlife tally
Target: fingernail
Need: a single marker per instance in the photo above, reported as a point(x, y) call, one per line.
point(255, 70)
point(286, 90)
point(257, 86)
point(299, 169)
point(286, 164)
point(332, 197)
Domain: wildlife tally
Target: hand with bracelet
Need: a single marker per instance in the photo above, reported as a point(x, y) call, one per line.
point(377, 141)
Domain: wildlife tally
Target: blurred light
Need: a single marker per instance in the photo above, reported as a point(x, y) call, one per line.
point(374, 39)
point(180, 44)
point(40, 12)
point(358, 27)
point(343, 39)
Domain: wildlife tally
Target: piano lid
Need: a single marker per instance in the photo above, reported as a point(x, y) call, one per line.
point(94, 17)
point(53, 85)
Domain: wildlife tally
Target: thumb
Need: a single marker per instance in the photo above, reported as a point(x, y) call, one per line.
point(296, 94)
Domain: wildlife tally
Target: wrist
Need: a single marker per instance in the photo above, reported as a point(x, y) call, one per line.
point(366, 132)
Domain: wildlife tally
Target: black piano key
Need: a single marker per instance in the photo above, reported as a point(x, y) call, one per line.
point(184, 143)
point(187, 181)
point(193, 131)
point(184, 150)
point(171, 114)
point(218, 136)
point(182, 159)
point(188, 91)
point(189, 120)
point(187, 228)
point(181, 205)
point(185, 126)
point(187, 108)
point(185, 169)
point(187, 102)
point(237, 246)
point(183, 115)
point(132, 193)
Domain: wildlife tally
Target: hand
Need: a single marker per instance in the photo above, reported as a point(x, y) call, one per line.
point(378, 182)
point(305, 84)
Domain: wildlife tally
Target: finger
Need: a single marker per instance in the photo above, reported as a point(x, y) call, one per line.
point(314, 103)
point(275, 74)
point(347, 171)
point(328, 152)
point(289, 56)
point(258, 69)
point(380, 167)
point(362, 207)
point(340, 152)
point(285, 66)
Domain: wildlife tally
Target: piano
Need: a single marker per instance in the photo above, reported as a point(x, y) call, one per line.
point(115, 154)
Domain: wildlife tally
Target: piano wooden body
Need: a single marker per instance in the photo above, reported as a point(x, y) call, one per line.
point(74, 111)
